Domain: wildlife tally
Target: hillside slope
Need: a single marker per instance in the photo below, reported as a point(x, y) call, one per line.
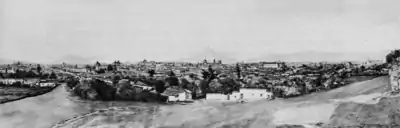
point(310, 109)
point(48, 109)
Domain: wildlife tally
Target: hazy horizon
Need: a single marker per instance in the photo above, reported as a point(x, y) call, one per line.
point(49, 30)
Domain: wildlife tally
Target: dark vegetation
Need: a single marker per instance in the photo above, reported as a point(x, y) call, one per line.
point(392, 56)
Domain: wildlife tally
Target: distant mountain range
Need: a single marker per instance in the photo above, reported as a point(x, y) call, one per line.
point(322, 56)
point(9, 61)
point(307, 56)
point(210, 54)
point(74, 59)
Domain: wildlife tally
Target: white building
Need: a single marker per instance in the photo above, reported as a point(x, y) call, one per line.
point(243, 94)
point(78, 70)
point(11, 81)
point(44, 83)
point(271, 65)
point(8, 70)
point(178, 95)
point(254, 94)
point(47, 84)
point(160, 67)
point(235, 96)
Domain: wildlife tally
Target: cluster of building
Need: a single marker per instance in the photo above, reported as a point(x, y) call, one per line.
point(31, 80)
point(244, 94)
point(27, 82)
point(257, 78)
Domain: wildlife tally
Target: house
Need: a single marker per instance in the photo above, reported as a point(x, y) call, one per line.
point(254, 94)
point(178, 95)
point(243, 94)
point(11, 81)
point(177, 72)
point(235, 96)
point(271, 64)
point(46, 84)
point(31, 82)
point(7, 70)
point(160, 67)
point(78, 70)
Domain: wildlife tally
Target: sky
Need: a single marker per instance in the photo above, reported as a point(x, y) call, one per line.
point(130, 30)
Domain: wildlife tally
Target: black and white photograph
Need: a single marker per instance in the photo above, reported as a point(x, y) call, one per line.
point(199, 63)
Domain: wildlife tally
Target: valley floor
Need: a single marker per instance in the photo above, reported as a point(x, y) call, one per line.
point(49, 109)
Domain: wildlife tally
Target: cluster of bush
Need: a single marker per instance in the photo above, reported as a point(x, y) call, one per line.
point(392, 56)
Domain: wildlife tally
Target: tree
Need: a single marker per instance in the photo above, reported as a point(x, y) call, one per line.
point(238, 71)
point(39, 69)
point(116, 78)
point(151, 73)
point(172, 80)
point(53, 75)
point(205, 74)
point(31, 74)
point(392, 56)
point(88, 68)
point(19, 74)
point(44, 76)
point(116, 63)
point(97, 63)
point(210, 69)
point(362, 68)
point(110, 67)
